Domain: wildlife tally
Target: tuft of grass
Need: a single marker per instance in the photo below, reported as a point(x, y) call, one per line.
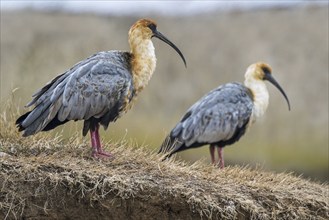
point(44, 177)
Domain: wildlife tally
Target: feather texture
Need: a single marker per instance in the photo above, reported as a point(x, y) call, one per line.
point(219, 117)
point(91, 90)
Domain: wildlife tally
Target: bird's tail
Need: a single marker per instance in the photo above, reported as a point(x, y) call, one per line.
point(20, 120)
point(42, 118)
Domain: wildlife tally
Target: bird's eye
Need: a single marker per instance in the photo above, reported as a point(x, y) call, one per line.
point(266, 70)
point(152, 26)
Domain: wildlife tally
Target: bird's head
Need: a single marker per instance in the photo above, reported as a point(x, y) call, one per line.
point(145, 29)
point(263, 71)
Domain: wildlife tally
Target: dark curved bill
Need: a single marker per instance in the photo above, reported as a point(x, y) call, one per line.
point(157, 34)
point(270, 78)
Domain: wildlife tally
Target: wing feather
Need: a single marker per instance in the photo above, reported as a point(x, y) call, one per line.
point(90, 88)
point(216, 117)
point(97, 91)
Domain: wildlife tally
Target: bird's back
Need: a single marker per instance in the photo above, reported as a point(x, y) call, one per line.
point(95, 88)
point(218, 117)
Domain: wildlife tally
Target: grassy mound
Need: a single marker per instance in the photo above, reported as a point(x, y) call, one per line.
point(43, 177)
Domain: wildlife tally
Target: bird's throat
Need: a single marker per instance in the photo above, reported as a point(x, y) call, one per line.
point(260, 97)
point(143, 62)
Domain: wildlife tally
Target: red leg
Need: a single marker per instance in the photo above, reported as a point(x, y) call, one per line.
point(97, 151)
point(99, 146)
point(221, 157)
point(93, 139)
point(212, 153)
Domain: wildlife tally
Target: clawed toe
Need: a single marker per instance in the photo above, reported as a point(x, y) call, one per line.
point(102, 155)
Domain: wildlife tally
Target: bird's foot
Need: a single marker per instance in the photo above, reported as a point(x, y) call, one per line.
point(219, 165)
point(102, 155)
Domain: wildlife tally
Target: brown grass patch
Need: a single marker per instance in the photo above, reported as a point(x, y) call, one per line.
point(44, 177)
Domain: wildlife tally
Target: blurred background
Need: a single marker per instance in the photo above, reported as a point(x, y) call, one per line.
point(40, 40)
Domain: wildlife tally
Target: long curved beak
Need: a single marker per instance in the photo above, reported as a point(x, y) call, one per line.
point(270, 78)
point(157, 34)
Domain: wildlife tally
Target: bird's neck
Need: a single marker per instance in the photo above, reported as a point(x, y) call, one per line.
point(260, 96)
point(143, 62)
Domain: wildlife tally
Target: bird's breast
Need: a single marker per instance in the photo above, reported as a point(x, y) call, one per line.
point(143, 62)
point(142, 72)
point(260, 102)
point(129, 101)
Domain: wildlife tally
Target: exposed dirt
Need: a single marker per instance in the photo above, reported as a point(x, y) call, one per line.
point(41, 196)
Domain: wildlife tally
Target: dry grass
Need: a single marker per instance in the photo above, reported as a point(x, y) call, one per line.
point(42, 177)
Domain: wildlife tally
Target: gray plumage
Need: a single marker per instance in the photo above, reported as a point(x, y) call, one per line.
point(96, 90)
point(220, 117)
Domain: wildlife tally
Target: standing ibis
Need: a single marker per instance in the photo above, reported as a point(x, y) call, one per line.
point(98, 89)
point(223, 115)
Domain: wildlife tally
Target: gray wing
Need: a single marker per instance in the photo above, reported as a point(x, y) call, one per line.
point(216, 117)
point(95, 90)
point(89, 89)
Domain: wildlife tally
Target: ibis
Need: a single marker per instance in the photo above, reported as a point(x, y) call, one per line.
point(97, 90)
point(223, 115)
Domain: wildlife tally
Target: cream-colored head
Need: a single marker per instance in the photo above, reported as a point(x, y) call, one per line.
point(143, 31)
point(143, 56)
point(257, 71)
point(255, 76)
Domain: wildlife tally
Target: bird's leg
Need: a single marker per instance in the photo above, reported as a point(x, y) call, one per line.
point(100, 151)
point(212, 153)
point(220, 157)
point(97, 151)
point(93, 143)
